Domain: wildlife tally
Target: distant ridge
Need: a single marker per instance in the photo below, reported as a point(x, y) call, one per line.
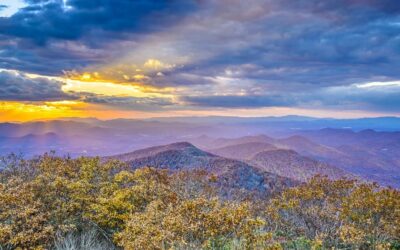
point(184, 156)
point(290, 164)
point(368, 147)
point(243, 151)
point(280, 156)
point(366, 154)
point(152, 151)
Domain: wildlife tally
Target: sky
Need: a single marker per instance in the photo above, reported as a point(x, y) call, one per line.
point(155, 58)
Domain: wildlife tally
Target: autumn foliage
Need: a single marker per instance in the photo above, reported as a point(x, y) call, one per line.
point(50, 199)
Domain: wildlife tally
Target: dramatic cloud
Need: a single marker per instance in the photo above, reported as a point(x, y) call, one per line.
point(214, 53)
point(15, 86)
point(76, 33)
point(382, 97)
point(43, 20)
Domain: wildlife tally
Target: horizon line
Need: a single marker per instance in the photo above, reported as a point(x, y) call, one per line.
point(198, 116)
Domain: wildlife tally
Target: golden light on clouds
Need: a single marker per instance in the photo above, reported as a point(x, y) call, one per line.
point(86, 76)
point(116, 89)
point(154, 64)
point(80, 85)
point(139, 73)
point(120, 80)
point(139, 77)
point(130, 81)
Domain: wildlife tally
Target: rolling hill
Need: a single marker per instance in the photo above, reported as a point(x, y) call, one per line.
point(290, 164)
point(243, 151)
point(229, 172)
point(281, 161)
point(368, 154)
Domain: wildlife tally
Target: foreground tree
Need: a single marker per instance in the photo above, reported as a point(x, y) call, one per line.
point(339, 214)
point(52, 202)
point(193, 224)
point(372, 217)
point(55, 197)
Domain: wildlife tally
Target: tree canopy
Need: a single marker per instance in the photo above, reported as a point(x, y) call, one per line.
point(51, 199)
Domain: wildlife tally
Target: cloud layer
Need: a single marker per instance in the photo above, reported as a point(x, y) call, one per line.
point(15, 86)
point(212, 53)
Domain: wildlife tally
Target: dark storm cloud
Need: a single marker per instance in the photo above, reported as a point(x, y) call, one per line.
point(52, 30)
point(335, 38)
point(308, 42)
point(290, 45)
point(19, 87)
point(70, 20)
point(280, 52)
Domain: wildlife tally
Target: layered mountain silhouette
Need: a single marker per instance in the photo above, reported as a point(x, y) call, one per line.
point(243, 151)
point(281, 161)
point(370, 154)
point(290, 164)
point(184, 156)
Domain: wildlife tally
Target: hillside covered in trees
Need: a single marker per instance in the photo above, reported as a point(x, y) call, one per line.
point(88, 203)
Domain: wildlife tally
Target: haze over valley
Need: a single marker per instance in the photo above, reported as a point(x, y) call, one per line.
point(293, 147)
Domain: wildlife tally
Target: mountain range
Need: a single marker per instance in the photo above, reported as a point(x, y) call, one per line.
point(230, 174)
point(368, 154)
point(291, 147)
point(284, 162)
point(245, 168)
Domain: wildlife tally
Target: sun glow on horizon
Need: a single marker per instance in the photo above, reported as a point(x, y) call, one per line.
point(24, 112)
point(27, 111)
point(85, 84)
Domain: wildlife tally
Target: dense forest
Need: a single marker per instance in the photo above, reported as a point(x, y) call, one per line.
point(88, 203)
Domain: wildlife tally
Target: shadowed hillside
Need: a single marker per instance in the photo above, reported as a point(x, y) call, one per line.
point(290, 164)
point(277, 156)
point(243, 151)
point(370, 155)
point(184, 156)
